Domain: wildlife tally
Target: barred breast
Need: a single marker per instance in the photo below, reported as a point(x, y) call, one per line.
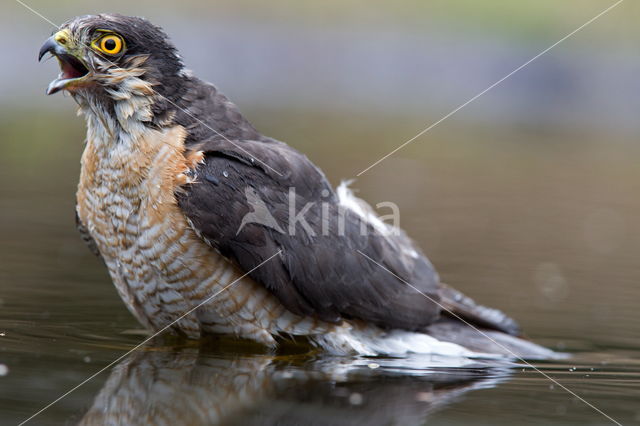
point(160, 267)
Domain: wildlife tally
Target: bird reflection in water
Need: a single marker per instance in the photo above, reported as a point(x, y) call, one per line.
point(189, 386)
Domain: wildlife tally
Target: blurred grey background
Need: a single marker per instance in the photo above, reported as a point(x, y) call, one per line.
point(409, 58)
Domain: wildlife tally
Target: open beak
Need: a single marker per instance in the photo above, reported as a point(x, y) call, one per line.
point(73, 70)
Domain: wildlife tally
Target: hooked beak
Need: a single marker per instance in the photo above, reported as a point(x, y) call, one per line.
point(73, 69)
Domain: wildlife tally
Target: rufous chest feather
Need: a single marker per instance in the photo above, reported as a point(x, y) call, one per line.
point(128, 186)
point(126, 201)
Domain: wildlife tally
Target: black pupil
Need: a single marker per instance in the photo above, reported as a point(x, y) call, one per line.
point(110, 44)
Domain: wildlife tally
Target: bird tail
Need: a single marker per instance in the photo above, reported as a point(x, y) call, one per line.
point(483, 329)
point(457, 305)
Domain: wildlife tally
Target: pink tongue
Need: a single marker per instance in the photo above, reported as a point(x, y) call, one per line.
point(69, 71)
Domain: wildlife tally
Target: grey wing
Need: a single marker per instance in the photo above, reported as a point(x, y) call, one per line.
point(321, 271)
point(323, 275)
point(86, 237)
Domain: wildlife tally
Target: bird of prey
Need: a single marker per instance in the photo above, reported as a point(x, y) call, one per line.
point(162, 199)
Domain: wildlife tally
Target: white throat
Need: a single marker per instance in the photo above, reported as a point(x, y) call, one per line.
point(127, 118)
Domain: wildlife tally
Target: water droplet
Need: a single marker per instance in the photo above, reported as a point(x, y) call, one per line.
point(551, 282)
point(225, 173)
point(87, 359)
point(355, 399)
point(424, 397)
point(3, 370)
point(373, 365)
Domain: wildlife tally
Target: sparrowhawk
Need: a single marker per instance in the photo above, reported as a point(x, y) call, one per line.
point(170, 171)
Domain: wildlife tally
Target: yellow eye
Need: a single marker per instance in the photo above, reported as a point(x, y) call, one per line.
point(110, 44)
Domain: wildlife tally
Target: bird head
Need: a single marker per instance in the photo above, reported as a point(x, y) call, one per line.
point(102, 54)
point(127, 76)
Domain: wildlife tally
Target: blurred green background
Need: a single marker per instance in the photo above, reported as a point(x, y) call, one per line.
point(527, 199)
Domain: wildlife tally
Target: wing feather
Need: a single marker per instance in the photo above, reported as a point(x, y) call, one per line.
point(86, 237)
point(323, 273)
point(321, 270)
